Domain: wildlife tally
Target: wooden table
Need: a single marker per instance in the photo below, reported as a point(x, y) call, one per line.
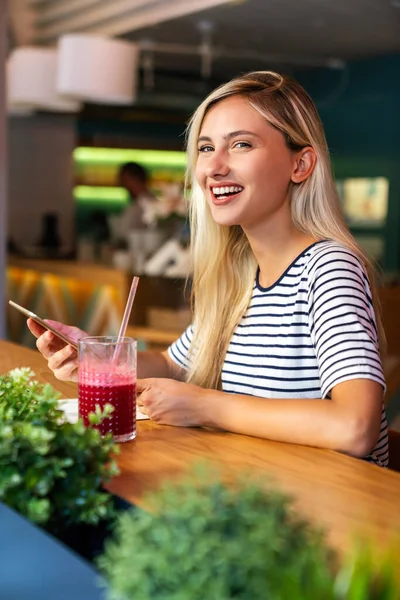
point(345, 495)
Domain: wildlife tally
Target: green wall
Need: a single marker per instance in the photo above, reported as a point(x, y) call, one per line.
point(360, 109)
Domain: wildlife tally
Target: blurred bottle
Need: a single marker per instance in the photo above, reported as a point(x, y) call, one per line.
point(50, 240)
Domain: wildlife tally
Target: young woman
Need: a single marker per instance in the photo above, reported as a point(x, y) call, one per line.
point(285, 341)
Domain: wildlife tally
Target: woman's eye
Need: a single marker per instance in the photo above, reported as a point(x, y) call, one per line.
point(205, 149)
point(242, 145)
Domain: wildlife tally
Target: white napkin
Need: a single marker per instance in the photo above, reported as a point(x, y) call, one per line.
point(70, 407)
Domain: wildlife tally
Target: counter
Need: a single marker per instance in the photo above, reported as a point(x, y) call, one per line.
point(89, 296)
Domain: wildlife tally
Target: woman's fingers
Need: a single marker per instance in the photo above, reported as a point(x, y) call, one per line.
point(64, 364)
point(142, 409)
point(58, 359)
point(35, 328)
point(48, 344)
point(68, 371)
point(74, 333)
point(61, 358)
point(140, 396)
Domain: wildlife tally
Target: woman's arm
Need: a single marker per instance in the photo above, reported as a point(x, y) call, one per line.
point(158, 364)
point(62, 359)
point(349, 422)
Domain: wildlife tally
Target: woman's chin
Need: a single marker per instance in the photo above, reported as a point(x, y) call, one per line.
point(226, 222)
point(225, 217)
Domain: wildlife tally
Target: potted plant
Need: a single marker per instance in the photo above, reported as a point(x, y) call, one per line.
point(217, 542)
point(369, 574)
point(52, 471)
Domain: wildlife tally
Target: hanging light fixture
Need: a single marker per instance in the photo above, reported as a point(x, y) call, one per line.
point(13, 110)
point(97, 69)
point(31, 81)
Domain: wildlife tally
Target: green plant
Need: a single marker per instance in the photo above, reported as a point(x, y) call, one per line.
point(216, 542)
point(370, 574)
point(50, 470)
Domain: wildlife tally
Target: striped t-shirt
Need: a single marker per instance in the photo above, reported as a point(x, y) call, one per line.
point(310, 330)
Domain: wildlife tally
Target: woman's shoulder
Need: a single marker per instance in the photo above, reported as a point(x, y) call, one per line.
point(331, 258)
point(329, 251)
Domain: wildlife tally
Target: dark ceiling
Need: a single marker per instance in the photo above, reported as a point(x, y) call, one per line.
point(279, 34)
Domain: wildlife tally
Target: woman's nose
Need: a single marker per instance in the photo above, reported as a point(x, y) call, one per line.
point(217, 164)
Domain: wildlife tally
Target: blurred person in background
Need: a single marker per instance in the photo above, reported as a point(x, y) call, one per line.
point(134, 178)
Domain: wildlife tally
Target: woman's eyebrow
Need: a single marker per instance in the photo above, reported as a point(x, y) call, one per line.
point(238, 133)
point(232, 134)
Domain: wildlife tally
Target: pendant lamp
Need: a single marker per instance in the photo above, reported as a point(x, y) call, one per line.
point(97, 69)
point(31, 81)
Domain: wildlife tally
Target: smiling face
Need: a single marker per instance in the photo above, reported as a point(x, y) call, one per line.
point(244, 166)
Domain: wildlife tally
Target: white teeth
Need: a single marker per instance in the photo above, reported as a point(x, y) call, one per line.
point(218, 191)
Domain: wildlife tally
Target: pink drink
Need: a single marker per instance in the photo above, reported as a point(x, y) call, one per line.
point(116, 389)
point(107, 375)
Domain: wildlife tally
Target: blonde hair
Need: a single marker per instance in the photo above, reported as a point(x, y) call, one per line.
point(224, 265)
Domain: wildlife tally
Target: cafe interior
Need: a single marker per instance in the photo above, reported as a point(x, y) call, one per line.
point(91, 85)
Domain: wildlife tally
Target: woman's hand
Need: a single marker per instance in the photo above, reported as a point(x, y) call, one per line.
point(61, 358)
point(171, 402)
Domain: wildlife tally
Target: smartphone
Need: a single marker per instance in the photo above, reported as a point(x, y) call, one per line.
point(43, 324)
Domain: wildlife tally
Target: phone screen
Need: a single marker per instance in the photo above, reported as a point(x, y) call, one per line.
point(42, 323)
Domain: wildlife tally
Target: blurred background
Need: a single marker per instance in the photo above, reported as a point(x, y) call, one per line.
point(90, 85)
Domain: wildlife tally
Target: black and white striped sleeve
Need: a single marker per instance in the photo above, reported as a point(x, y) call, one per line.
point(179, 350)
point(342, 320)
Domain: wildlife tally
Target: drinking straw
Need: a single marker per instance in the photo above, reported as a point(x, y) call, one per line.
point(127, 314)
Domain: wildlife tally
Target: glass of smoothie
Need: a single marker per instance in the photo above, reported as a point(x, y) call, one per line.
point(107, 375)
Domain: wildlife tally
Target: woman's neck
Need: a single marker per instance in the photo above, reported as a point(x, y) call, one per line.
point(276, 249)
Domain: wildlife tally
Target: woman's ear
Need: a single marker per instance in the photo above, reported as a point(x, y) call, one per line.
point(304, 164)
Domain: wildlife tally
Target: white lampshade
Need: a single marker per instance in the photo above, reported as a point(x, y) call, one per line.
point(32, 80)
point(97, 69)
point(12, 110)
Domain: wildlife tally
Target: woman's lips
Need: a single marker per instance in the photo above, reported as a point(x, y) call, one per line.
point(222, 199)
